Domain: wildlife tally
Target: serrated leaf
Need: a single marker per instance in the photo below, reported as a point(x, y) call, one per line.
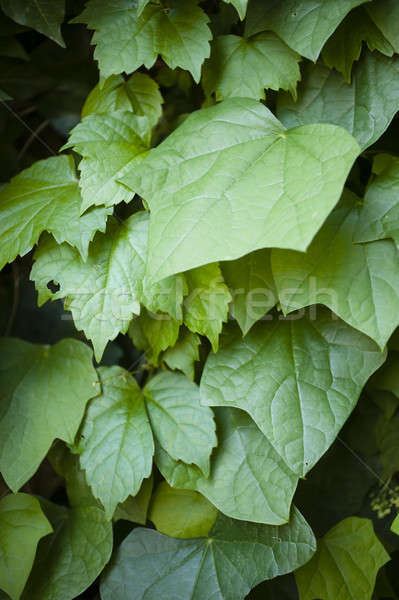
point(116, 444)
point(69, 560)
point(222, 185)
point(44, 393)
point(358, 282)
point(385, 15)
point(103, 292)
point(227, 564)
point(139, 94)
point(45, 16)
point(135, 508)
point(153, 333)
point(45, 197)
point(305, 25)
point(207, 304)
point(240, 6)
point(250, 281)
point(181, 513)
point(298, 403)
point(244, 67)
point(365, 108)
point(183, 354)
point(380, 213)
point(126, 40)
point(22, 525)
point(184, 428)
point(248, 479)
point(345, 565)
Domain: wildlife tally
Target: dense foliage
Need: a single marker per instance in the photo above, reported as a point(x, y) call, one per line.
point(199, 295)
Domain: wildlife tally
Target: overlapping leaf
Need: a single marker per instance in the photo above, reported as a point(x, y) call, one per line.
point(385, 15)
point(153, 333)
point(240, 6)
point(43, 15)
point(183, 354)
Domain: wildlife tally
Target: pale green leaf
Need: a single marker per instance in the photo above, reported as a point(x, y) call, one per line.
point(184, 428)
point(116, 444)
point(135, 508)
point(69, 560)
point(139, 94)
point(231, 180)
point(358, 282)
point(126, 40)
point(45, 16)
point(380, 213)
point(234, 558)
point(45, 197)
point(207, 304)
point(183, 354)
point(240, 6)
point(305, 25)
point(395, 525)
point(181, 513)
point(385, 14)
point(244, 67)
point(248, 479)
point(299, 379)
point(345, 565)
point(365, 108)
point(250, 281)
point(153, 333)
point(44, 392)
point(22, 525)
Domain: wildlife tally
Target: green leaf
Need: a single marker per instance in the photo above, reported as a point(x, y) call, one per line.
point(358, 282)
point(126, 40)
point(385, 15)
point(207, 304)
point(42, 15)
point(244, 67)
point(181, 513)
point(44, 392)
point(139, 94)
point(184, 428)
point(248, 479)
point(365, 108)
point(298, 403)
point(395, 525)
point(103, 292)
point(234, 558)
point(388, 445)
point(345, 565)
point(116, 444)
point(213, 191)
point(22, 525)
point(183, 354)
point(45, 197)
point(69, 560)
point(250, 280)
point(304, 25)
point(240, 6)
point(153, 333)
point(135, 508)
point(380, 213)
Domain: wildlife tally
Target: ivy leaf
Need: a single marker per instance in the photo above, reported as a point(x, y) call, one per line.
point(250, 279)
point(300, 405)
point(183, 354)
point(181, 513)
point(116, 444)
point(244, 67)
point(135, 508)
point(153, 333)
point(213, 190)
point(365, 108)
point(45, 197)
point(139, 94)
point(184, 428)
point(207, 304)
point(385, 15)
point(69, 560)
point(44, 393)
point(125, 40)
point(360, 283)
point(240, 6)
point(22, 525)
point(248, 480)
point(234, 558)
point(46, 17)
point(380, 213)
point(302, 24)
point(345, 565)
point(103, 292)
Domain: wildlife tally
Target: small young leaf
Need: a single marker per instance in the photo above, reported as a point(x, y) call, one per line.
point(345, 565)
point(44, 394)
point(153, 333)
point(42, 15)
point(183, 354)
point(395, 525)
point(181, 513)
point(385, 15)
point(135, 508)
point(22, 525)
